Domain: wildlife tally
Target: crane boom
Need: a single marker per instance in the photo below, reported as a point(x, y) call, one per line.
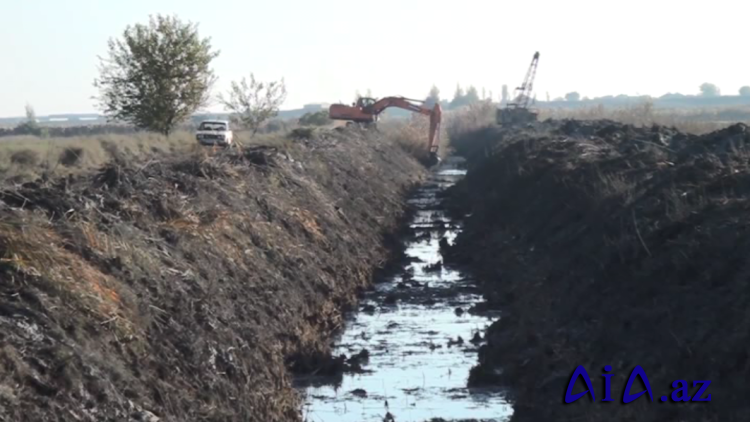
point(517, 111)
point(523, 92)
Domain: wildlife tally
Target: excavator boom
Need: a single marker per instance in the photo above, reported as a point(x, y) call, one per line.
point(367, 110)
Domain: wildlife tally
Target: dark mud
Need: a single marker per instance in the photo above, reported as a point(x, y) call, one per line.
point(420, 340)
point(182, 288)
point(606, 244)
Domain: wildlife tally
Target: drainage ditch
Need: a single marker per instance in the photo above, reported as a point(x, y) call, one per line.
point(414, 337)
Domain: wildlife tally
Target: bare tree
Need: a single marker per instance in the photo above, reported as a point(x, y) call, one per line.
point(252, 103)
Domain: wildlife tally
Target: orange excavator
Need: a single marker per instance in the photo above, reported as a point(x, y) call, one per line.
point(366, 111)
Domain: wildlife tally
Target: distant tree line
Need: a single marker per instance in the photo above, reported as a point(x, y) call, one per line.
point(460, 98)
point(706, 90)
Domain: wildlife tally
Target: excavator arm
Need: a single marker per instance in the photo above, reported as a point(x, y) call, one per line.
point(399, 102)
point(434, 113)
point(366, 111)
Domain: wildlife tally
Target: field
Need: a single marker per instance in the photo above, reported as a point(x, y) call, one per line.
point(693, 121)
point(26, 158)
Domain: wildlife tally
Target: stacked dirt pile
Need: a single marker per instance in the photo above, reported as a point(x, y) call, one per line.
point(606, 244)
point(178, 290)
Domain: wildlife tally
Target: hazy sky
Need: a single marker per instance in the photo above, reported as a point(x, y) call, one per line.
point(327, 49)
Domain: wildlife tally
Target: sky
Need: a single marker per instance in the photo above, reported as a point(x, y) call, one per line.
point(326, 50)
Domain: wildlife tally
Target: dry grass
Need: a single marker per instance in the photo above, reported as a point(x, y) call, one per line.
point(689, 121)
point(412, 135)
point(61, 156)
point(479, 115)
point(24, 158)
point(80, 282)
point(470, 119)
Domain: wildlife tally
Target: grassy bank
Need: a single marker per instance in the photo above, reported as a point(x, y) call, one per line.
point(24, 158)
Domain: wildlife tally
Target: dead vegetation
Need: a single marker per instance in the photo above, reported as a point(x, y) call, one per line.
point(25, 158)
point(697, 122)
point(179, 285)
point(61, 156)
point(610, 244)
point(412, 135)
point(469, 119)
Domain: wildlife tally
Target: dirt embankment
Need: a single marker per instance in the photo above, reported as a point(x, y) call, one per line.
point(178, 289)
point(604, 245)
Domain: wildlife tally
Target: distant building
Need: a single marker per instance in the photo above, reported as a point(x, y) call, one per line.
point(311, 108)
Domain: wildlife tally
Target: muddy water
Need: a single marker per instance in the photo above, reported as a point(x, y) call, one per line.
point(420, 347)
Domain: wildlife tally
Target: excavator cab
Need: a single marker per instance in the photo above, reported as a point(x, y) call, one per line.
point(365, 102)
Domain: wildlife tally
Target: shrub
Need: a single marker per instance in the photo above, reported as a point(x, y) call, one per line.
point(25, 157)
point(302, 133)
point(318, 118)
point(71, 156)
point(29, 128)
point(275, 125)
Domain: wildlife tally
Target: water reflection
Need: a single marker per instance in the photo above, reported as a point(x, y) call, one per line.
point(419, 342)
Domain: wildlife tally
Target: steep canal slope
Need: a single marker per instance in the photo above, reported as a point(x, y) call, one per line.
point(609, 245)
point(178, 288)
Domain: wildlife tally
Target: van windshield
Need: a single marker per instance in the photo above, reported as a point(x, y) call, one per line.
point(214, 126)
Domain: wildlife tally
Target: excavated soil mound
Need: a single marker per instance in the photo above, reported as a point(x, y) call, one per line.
point(606, 244)
point(183, 289)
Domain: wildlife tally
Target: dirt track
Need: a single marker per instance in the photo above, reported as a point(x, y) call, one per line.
point(604, 244)
point(178, 289)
